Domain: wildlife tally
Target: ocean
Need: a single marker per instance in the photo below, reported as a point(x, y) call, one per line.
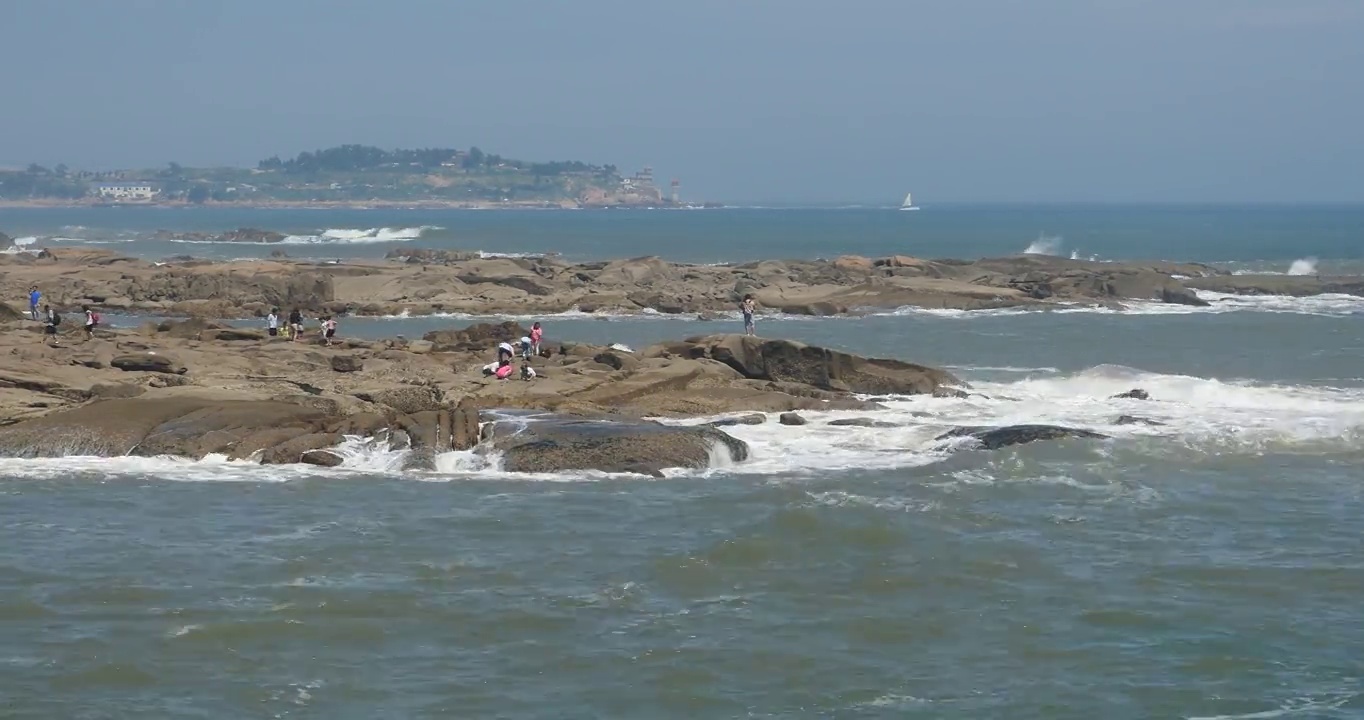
point(1206, 567)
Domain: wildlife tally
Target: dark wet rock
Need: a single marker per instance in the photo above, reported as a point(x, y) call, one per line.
point(292, 451)
point(1136, 420)
point(464, 425)
point(791, 418)
point(616, 360)
point(949, 392)
point(788, 361)
point(566, 444)
point(278, 254)
point(751, 419)
point(1133, 394)
point(862, 422)
point(148, 362)
point(322, 458)
point(240, 235)
point(238, 335)
point(993, 438)
point(347, 363)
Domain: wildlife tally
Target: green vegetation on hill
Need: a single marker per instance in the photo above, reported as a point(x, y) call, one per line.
point(347, 173)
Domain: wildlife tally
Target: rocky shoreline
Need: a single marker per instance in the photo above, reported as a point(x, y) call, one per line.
point(196, 388)
point(416, 281)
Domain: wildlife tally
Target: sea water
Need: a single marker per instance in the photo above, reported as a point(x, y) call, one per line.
point(1205, 565)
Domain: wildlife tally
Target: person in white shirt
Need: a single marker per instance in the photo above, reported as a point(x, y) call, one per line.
point(272, 322)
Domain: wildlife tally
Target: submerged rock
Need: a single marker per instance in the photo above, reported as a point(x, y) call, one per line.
point(1133, 394)
point(1135, 420)
point(862, 422)
point(752, 419)
point(998, 437)
point(792, 419)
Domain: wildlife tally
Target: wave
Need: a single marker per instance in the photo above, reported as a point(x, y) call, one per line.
point(21, 245)
point(1196, 418)
point(331, 236)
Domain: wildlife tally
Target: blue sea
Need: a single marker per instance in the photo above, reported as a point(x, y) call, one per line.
point(1206, 567)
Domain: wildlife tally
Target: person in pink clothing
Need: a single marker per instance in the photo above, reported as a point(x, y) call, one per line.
point(537, 333)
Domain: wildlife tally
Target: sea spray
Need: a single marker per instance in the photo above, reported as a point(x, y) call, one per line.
point(1303, 266)
point(1045, 245)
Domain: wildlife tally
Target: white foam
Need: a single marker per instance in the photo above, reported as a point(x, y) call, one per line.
point(1325, 305)
point(1198, 416)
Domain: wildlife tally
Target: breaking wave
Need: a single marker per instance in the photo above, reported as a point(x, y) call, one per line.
point(331, 236)
point(1303, 266)
point(1187, 418)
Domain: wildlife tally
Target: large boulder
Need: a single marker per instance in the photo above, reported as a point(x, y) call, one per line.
point(347, 363)
point(993, 438)
point(566, 444)
point(405, 398)
point(790, 361)
point(477, 337)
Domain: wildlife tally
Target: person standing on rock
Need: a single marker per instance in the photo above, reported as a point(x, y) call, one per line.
point(295, 324)
point(272, 323)
point(91, 321)
point(537, 334)
point(34, 297)
point(749, 307)
point(328, 329)
point(50, 329)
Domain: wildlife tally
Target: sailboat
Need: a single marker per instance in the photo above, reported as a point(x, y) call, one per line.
point(908, 204)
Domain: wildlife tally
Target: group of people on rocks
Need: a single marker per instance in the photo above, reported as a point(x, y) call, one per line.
point(294, 329)
point(529, 348)
point(51, 319)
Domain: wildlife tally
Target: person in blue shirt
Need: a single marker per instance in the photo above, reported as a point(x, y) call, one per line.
point(33, 299)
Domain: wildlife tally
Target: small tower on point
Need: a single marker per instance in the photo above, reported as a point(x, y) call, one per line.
point(675, 185)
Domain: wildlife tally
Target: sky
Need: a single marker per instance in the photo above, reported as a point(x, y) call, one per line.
point(799, 101)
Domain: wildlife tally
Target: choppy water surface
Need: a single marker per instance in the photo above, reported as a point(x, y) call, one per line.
point(1206, 567)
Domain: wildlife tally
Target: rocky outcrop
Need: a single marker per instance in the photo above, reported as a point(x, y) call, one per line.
point(1133, 394)
point(994, 438)
point(547, 445)
point(424, 256)
point(481, 337)
point(790, 361)
point(424, 281)
point(240, 235)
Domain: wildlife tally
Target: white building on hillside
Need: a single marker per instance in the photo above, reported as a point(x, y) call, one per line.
point(125, 191)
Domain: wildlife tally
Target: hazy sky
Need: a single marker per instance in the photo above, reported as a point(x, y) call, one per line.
point(746, 100)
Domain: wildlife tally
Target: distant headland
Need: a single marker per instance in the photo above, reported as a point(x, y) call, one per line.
point(350, 176)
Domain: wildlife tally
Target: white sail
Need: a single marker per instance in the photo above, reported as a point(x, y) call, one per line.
point(909, 200)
